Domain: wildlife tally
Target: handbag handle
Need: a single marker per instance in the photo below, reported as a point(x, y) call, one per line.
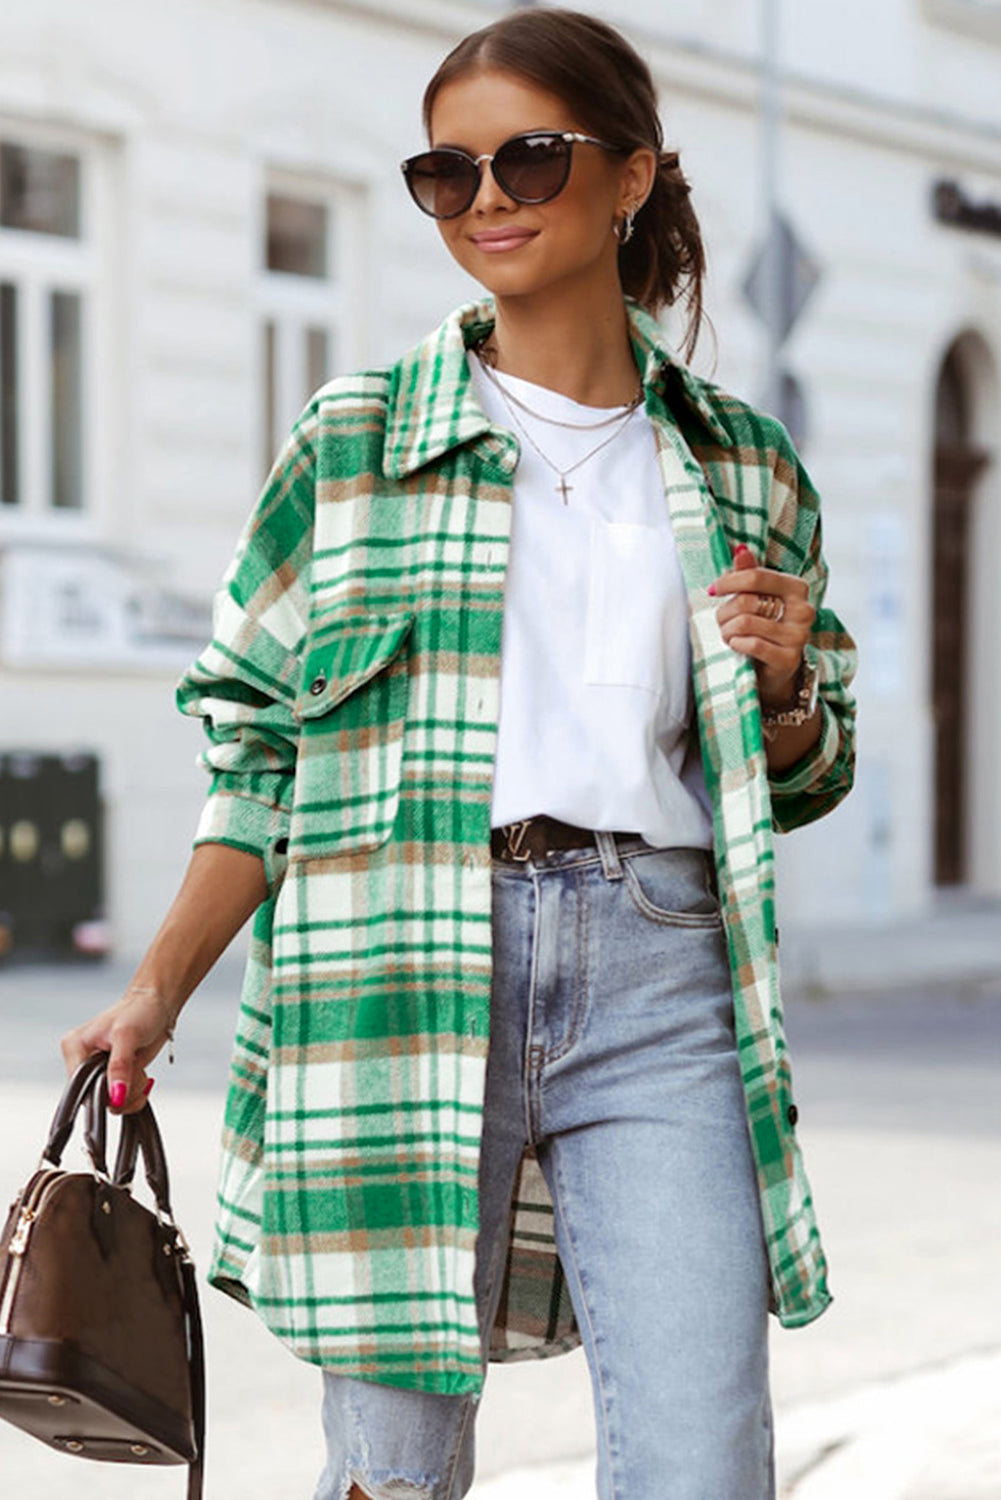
point(145, 1137)
point(95, 1124)
point(89, 1086)
point(76, 1092)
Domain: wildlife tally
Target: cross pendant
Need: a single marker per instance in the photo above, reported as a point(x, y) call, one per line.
point(563, 488)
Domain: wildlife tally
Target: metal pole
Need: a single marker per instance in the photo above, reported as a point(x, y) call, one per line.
point(771, 122)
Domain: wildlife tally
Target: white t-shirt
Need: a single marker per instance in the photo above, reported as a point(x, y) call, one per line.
point(596, 694)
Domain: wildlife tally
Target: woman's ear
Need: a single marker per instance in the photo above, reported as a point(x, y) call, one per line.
point(636, 183)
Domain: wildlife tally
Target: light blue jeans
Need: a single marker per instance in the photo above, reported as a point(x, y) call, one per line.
point(612, 1049)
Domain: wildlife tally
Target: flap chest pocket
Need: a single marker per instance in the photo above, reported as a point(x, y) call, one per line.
point(352, 653)
point(352, 710)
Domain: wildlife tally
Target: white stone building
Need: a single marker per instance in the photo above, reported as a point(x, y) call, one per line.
point(202, 218)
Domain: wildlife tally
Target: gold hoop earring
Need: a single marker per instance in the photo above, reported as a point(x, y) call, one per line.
point(624, 231)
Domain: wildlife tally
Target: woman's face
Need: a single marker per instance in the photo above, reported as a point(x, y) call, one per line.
point(523, 249)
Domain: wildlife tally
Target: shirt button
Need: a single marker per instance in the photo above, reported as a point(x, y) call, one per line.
point(317, 686)
point(792, 1114)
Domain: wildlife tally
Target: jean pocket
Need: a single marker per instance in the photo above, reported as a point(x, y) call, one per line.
point(352, 712)
point(673, 886)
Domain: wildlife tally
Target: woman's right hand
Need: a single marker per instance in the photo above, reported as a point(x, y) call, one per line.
point(133, 1031)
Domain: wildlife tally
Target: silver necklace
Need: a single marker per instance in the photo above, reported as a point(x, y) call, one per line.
point(563, 489)
point(626, 409)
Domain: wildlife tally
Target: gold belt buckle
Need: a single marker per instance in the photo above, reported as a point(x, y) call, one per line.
point(514, 834)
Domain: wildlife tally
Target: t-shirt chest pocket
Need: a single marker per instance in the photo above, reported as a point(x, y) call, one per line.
point(637, 612)
point(352, 712)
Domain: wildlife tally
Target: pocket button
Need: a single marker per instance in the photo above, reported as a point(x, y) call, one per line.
point(317, 686)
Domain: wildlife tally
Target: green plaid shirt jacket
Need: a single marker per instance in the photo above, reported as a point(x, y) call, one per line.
point(350, 697)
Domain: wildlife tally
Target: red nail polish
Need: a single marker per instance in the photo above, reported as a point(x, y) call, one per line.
point(711, 589)
point(117, 1094)
point(149, 1086)
point(742, 548)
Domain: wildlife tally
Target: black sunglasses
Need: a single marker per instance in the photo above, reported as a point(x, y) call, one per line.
point(530, 168)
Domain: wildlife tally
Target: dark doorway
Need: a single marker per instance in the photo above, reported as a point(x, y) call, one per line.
point(958, 463)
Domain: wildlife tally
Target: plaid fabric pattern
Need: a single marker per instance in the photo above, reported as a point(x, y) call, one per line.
point(350, 696)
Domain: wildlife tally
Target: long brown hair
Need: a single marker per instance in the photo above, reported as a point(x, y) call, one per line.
point(608, 87)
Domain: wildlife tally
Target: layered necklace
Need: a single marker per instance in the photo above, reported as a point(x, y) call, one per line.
point(618, 418)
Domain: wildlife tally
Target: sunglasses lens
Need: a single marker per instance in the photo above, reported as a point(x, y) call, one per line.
point(529, 168)
point(442, 183)
point(533, 168)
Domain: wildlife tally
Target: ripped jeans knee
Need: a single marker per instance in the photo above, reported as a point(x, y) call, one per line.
point(391, 1486)
point(395, 1443)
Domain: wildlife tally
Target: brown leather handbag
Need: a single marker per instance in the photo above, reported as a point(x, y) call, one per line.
point(101, 1350)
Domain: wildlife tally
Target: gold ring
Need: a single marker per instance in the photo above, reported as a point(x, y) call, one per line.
point(771, 606)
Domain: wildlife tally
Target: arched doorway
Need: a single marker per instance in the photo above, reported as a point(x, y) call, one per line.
point(961, 458)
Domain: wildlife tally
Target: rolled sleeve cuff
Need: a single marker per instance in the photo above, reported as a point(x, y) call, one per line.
point(247, 823)
point(809, 772)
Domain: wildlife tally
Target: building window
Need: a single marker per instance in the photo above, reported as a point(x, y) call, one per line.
point(10, 489)
point(297, 236)
point(45, 285)
point(305, 294)
point(39, 191)
point(66, 481)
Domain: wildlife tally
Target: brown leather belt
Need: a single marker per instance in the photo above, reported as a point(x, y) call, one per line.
point(532, 838)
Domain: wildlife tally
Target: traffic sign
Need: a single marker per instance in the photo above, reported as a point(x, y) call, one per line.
point(799, 276)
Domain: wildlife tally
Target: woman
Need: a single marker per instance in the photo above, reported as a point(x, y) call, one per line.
point(582, 878)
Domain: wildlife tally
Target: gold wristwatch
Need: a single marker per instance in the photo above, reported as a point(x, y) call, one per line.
point(801, 704)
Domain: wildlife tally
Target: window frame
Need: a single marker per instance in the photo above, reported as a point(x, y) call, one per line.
point(294, 303)
point(40, 264)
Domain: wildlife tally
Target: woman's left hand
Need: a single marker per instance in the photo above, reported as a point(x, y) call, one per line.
point(769, 618)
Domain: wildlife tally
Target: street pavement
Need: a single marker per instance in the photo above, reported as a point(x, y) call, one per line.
point(893, 1394)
